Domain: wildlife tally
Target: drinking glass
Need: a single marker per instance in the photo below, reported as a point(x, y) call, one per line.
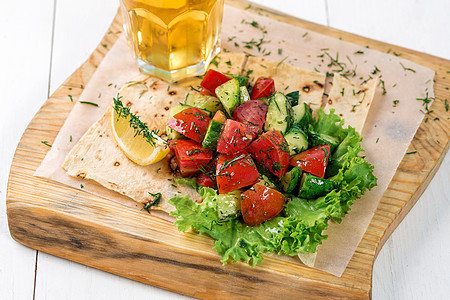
point(173, 39)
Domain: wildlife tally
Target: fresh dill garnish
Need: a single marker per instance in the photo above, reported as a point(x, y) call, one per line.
point(216, 61)
point(407, 69)
point(305, 34)
point(396, 54)
point(81, 186)
point(70, 97)
point(382, 86)
point(359, 52)
point(377, 140)
point(395, 103)
point(46, 143)
point(280, 51)
point(154, 202)
point(90, 103)
point(228, 63)
point(446, 104)
point(99, 95)
point(255, 25)
point(425, 102)
point(105, 45)
point(110, 84)
point(279, 64)
point(139, 127)
point(376, 70)
point(412, 152)
point(70, 139)
point(248, 7)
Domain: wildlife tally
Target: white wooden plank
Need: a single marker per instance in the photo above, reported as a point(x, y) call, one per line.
point(25, 42)
point(414, 262)
point(420, 25)
point(79, 28)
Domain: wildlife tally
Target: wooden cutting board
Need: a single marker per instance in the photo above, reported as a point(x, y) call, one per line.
point(76, 225)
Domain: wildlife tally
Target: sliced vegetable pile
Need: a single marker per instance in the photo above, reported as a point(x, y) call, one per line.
point(271, 176)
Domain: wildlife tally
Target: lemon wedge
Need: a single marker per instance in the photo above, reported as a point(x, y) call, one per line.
point(135, 146)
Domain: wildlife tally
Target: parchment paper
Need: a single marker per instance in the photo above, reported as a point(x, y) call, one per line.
point(387, 133)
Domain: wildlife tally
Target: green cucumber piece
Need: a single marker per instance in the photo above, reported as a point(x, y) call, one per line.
point(228, 94)
point(269, 179)
point(204, 102)
point(244, 96)
point(302, 115)
point(297, 140)
point(213, 133)
point(278, 114)
point(318, 139)
point(229, 205)
point(243, 80)
point(312, 186)
point(290, 180)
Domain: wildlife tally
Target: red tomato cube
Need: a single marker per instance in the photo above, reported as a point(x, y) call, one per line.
point(190, 156)
point(235, 171)
point(235, 137)
point(313, 161)
point(272, 151)
point(264, 87)
point(261, 203)
point(252, 112)
point(212, 80)
point(190, 122)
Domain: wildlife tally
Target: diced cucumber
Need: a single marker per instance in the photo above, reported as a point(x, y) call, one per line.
point(302, 115)
point(243, 94)
point(228, 94)
point(278, 113)
point(293, 98)
point(229, 205)
point(243, 80)
point(312, 186)
point(209, 103)
point(269, 179)
point(322, 139)
point(297, 140)
point(290, 180)
point(213, 133)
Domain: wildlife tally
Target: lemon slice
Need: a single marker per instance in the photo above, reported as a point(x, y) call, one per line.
point(136, 147)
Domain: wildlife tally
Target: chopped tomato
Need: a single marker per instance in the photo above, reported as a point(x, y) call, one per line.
point(190, 156)
point(264, 87)
point(205, 92)
point(271, 150)
point(205, 180)
point(190, 122)
point(313, 161)
point(252, 112)
point(235, 171)
point(235, 137)
point(261, 203)
point(212, 80)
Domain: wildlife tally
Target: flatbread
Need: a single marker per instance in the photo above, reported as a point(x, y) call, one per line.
point(351, 101)
point(288, 78)
point(98, 157)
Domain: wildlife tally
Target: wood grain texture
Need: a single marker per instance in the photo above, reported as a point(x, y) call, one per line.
point(94, 231)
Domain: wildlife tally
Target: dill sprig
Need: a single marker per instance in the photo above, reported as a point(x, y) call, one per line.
point(426, 101)
point(139, 127)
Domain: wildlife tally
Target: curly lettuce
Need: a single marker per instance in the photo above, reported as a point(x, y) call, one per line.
point(299, 228)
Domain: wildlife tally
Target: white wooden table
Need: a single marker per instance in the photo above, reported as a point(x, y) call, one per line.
point(43, 42)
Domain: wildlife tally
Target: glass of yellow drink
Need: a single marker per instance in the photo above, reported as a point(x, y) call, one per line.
point(173, 39)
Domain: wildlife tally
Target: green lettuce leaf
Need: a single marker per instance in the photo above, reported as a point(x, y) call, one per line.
point(299, 228)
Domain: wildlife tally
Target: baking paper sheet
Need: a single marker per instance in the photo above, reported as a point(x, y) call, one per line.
point(387, 133)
